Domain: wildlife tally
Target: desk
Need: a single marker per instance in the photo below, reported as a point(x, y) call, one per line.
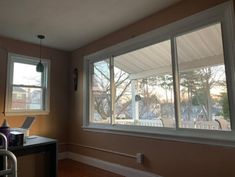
point(39, 145)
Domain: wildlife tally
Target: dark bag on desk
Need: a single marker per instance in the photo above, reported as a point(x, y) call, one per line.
point(16, 138)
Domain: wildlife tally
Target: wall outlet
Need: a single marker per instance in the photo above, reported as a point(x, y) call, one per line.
point(139, 158)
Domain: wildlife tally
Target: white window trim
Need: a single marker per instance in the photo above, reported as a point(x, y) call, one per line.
point(223, 13)
point(12, 57)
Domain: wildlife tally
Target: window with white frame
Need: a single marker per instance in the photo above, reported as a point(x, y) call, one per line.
point(27, 90)
point(176, 80)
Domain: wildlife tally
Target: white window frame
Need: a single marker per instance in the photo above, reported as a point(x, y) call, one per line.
point(222, 13)
point(12, 58)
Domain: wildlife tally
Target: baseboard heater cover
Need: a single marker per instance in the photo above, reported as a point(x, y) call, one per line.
point(108, 166)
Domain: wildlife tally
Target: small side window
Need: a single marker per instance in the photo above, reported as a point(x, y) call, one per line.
point(27, 90)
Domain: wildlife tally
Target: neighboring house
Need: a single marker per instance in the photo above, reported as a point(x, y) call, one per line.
point(19, 98)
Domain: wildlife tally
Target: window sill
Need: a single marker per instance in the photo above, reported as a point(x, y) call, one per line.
point(224, 139)
point(38, 113)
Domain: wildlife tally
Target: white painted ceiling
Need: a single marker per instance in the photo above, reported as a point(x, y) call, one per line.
point(70, 24)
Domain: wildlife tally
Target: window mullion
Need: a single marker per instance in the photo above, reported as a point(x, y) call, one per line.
point(176, 84)
point(91, 96)
point(112, 90)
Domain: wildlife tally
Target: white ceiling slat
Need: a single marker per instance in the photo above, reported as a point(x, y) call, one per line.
point(182, 56)
point(158, 57)
point(185, 48)
point(214, 39)
point(130, 66)
point(163, 50)
point(208, 51)
point(199, 45)
point(147, 58)
point(140, 57)
point(188, 48)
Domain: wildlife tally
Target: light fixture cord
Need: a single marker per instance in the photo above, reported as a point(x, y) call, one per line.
point(40, 49)
point(5, 83)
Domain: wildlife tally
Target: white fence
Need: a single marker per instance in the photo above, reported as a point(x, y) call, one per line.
point(150, 123)
point(217, 124)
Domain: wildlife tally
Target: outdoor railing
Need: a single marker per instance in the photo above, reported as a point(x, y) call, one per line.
point(217, 124)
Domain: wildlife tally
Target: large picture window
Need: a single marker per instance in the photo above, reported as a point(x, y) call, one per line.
point(177, 80)
point(27, 89)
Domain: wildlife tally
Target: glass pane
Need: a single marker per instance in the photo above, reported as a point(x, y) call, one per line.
point(144, 87)
point(24, 98)
point(100, 96)
point(203, 89)
point(26, 74)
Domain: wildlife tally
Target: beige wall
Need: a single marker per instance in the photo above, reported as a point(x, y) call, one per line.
point(53, 125)
point(166, 158)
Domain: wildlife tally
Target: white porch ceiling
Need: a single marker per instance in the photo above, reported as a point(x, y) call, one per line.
point(71, 24)
point(195, 50)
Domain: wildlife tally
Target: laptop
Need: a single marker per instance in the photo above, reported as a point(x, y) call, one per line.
point(28, 122)
point(25, 127)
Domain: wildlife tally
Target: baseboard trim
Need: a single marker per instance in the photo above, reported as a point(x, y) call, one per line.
point(108, 166)
point(62, 155)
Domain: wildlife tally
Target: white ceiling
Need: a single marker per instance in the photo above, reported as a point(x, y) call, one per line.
point(70, 24)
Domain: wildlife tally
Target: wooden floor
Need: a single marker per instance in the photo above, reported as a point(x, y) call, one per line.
point(70, 168)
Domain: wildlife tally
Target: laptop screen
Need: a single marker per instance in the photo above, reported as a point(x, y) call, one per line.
point(28, 122)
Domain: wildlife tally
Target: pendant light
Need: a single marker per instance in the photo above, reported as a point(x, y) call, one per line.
point(40, 67)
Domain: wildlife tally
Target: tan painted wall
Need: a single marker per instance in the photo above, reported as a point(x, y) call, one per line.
point(166, 158)
point(53, 125)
